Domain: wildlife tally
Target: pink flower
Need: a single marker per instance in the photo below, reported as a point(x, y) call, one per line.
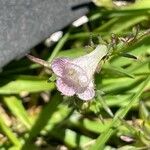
point(76, 76)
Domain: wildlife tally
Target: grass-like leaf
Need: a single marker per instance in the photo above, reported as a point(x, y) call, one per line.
point(17, 109)
point(121, 113)
point(8, 132)
point(17, 84)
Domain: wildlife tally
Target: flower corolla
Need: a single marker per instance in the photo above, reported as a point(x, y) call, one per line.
point(76, 76)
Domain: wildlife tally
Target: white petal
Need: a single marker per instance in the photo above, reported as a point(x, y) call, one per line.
point(90, 61)
point(64, 88)
point(88, 94)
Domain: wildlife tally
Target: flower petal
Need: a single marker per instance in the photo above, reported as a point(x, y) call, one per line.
point(75, 77)
point(64, 88)
point(90, 61)
point(88, 94)
point(58, 65)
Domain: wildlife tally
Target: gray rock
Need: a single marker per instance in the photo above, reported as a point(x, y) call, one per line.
point(25, 23)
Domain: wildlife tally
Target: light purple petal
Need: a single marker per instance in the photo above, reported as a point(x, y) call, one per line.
point(75, 77)
point(64, 88)
point(58, 65)
point(88, 94)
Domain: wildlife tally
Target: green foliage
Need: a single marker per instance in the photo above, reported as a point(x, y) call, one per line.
point(34, 114)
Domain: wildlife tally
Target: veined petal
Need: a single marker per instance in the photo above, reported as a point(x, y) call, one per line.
point(58, 65)
point(75, 77)
point(88, 94)
point(64, 88)
point(90, 61)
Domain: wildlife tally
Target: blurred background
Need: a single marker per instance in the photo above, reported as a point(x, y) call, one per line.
point(34, 115)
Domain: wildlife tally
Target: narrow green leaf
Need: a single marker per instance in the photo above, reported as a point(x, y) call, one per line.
point(118, 70)
point(102, 139)
point(7, 131)
point(126, 22)
point(139, 4)
point(43, 119)
point(143, 111)
point(18, 110)
point(106, 26)
point(129, 147)
point(146, 129)
point(69, 137)
point(120, 85)
point(139, 48)
point(17, 84)
point(128, 55)
point(71, 53)
point(95, 126)
point(130, 127)
point(59, 46)
point(104, 105)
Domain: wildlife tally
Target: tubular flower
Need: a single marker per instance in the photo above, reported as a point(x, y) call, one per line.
point(76, 76)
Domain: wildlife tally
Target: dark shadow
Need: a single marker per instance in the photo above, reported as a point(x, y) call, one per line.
point(88, 5)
